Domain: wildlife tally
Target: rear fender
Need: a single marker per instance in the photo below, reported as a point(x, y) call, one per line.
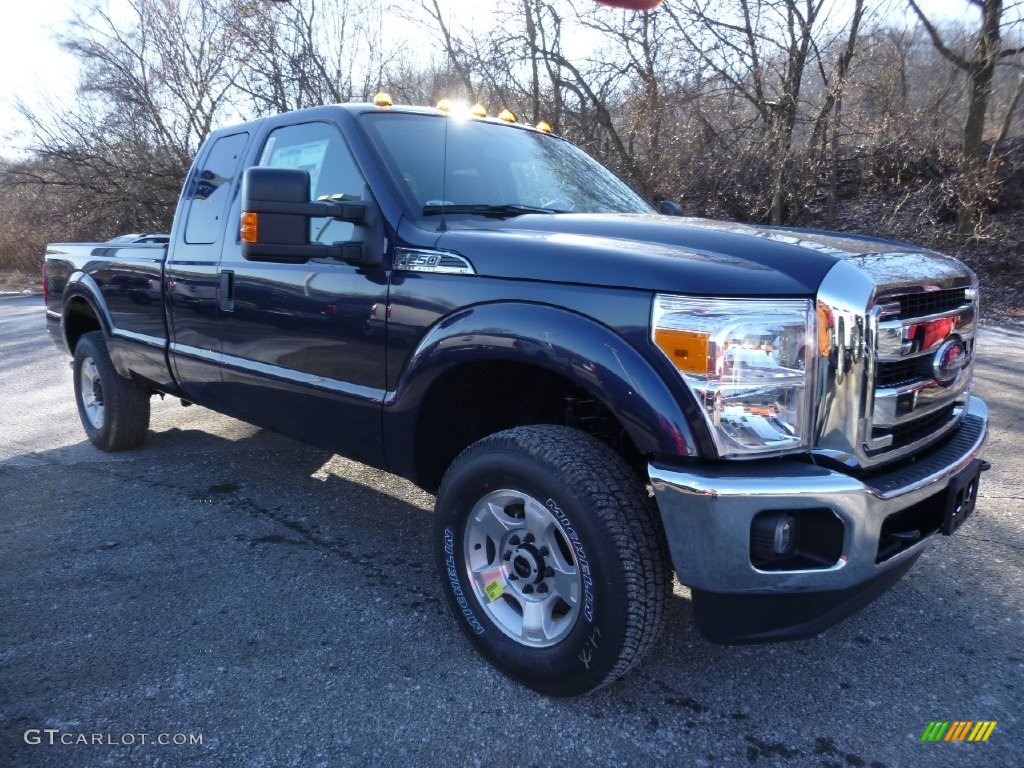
point(82, 287)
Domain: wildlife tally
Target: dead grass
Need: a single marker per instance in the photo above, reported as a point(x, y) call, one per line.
point(17, 281)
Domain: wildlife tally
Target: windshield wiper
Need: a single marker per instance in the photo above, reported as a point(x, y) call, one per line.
point(495, 211)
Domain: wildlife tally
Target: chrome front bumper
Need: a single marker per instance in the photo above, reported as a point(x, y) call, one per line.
point(707, 512)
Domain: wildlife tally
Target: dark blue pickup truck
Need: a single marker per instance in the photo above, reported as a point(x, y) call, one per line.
point(598, 393)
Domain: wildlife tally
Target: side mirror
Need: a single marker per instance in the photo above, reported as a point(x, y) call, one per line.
point(668, 208)
point(276, 210)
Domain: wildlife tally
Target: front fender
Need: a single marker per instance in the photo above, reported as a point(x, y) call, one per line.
point(586, 353)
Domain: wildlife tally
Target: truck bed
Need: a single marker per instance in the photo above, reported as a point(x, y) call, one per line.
point(126, 283)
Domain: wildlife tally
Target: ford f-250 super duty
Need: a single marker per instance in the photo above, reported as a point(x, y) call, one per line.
point(597, 393)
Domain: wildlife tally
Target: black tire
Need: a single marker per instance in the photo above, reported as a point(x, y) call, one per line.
point(122, 417)
point(606, 530)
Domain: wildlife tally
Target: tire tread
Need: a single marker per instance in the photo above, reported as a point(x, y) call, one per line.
point(127, 406)
point(625, 510)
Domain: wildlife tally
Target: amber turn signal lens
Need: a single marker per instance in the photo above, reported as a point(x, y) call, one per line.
point(825, 325)
point(688, 350)
point(250, 227)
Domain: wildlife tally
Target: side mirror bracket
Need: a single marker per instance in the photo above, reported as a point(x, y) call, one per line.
point(276, 210)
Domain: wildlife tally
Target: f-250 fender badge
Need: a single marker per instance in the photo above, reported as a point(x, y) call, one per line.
point(436, 262)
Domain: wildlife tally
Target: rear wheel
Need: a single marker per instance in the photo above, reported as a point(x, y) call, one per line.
point(114, 410)
point(552, 557)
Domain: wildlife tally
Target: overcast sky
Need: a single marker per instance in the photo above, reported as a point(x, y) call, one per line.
point(38, 72)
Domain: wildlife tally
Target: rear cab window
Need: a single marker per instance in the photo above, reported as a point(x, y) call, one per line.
point(207, 190)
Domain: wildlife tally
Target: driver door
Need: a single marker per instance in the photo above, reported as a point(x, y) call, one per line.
point(298, 353)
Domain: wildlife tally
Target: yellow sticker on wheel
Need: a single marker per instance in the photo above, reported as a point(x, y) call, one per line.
point(494, 590)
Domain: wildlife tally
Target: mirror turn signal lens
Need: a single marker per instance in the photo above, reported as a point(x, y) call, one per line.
point(250, 227)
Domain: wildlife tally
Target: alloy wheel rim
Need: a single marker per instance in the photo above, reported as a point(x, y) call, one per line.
point(92, 393)
point(522, 568)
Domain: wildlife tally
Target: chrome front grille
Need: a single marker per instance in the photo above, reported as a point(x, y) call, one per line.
point(921, 303)
point(900, 372)
point(909, 433)
point(896, 346)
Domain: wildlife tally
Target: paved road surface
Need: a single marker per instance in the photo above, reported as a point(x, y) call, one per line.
point(281, 603)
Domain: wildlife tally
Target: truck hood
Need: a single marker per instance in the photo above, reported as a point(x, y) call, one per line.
point(659, 253)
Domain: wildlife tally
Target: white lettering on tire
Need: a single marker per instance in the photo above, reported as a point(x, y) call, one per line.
point(453, 578)
point(581, 558)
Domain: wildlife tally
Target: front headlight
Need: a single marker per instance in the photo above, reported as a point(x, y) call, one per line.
point(746, 361)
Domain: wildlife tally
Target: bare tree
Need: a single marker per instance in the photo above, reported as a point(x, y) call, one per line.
point(172, 64)
point(762, 51)
point(832, 106)
point(979, 66)
point(155, 81)
point(310, 52)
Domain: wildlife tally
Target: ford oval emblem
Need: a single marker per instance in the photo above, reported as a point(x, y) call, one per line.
point(949, 360)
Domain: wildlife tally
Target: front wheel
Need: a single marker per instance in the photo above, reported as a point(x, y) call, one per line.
point(552, 557)
point(114, 410)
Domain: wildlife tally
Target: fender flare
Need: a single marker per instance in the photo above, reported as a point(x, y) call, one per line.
point(573, 346)
point(82, 286)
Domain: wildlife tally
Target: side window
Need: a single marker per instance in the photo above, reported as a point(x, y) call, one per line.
point(333, 175)
point(208, 189)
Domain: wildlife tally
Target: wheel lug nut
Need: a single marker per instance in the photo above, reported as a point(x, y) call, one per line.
point(515, 541)
point(507, 555)
point(543, 551)
point(528, 589)
point(542, 588)
point(528, 538)
point(549, 572)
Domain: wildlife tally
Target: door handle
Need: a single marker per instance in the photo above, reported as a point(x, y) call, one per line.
point(226, 291)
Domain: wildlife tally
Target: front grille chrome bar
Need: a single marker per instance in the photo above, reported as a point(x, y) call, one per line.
point(882, 392)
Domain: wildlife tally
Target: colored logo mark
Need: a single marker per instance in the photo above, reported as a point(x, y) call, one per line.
point(958, 730)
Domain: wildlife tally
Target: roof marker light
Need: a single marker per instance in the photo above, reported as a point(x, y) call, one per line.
point(445, 105)
point(543, 127)
point(507, 115)
point(478, 110)
point(382, 100)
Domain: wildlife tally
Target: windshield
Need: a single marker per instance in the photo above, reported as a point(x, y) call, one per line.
point(493, 169)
